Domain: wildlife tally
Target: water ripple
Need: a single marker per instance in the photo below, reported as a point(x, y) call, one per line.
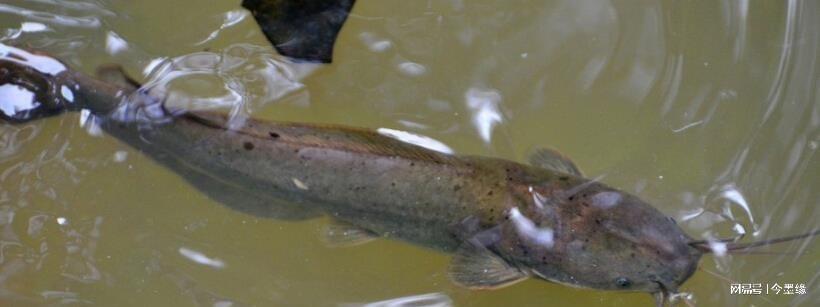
point(47, 17)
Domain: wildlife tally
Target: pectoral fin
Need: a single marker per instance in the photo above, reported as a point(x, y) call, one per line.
point(554, 160)
point(476, 267)
point(341, 234)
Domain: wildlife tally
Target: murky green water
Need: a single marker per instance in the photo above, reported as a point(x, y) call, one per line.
point(709, 110)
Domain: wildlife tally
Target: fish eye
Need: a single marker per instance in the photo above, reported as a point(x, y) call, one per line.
point(623, 282)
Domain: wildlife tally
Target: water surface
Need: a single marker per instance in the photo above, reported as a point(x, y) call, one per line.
point(708, 110)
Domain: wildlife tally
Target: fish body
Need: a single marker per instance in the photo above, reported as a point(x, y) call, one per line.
point(504, 221)
point(375, 182)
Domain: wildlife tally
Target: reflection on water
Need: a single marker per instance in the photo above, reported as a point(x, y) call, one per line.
point(200, 258)
point(484, 105)
point(44, 64)
point(16, 100)
point(230, 19)
point(707, 110)
point(428, 300)
point(47, 17)
point(415, 139)
point(542, 236)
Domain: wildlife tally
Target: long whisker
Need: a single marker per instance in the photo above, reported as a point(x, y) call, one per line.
point(771, 241)
point(715, 274)
point(704, 242)
point(738, 248)
point(751, 252)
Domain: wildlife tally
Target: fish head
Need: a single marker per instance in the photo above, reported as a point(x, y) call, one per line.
point(596, 237)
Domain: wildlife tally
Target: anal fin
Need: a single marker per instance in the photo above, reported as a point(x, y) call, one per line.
point(343, 234)
point(553, 160)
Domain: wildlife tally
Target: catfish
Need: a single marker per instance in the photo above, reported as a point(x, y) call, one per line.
point(503, 221)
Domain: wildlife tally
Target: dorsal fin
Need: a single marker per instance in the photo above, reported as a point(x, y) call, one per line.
point(553, 160)
point(343, 234)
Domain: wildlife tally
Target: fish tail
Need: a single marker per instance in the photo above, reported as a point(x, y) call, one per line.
point(34, 86)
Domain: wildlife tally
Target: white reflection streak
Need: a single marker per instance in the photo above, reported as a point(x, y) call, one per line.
point(90, 122)
point(114, 43)
point(672, 82)
point(415, 139)
point(120, 156)
point(68, 21)
point(77, 5)
point(25, 27)
point(200, 258)
point(537, 198)
point(739, 229)
point(731, 193)
point(687, 126)
point(740, 40)
point(421, 300)
point(688, 216)
point(299, 184)
point(373, 43)
point(773, 97)
point(67, 93)
point(525, 227)
point(412, 69)
point(484, 105)
point(152, 65)
point(41, 63)
point(15, 98)
point(231, 18)
point(54, 295)
point(32, 27)
point(718, 248)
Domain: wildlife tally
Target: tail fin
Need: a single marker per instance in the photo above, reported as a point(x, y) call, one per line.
point(32, 86)
point(305, 29)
